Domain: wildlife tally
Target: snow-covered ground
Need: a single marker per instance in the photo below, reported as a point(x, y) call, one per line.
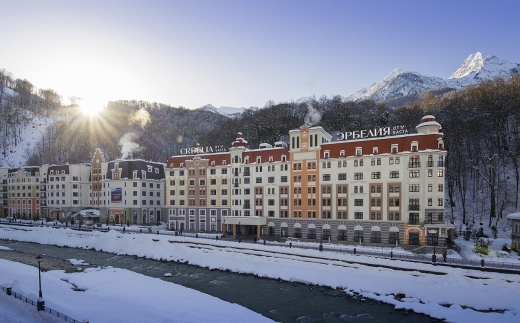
point(456, 295)
point(113, 295)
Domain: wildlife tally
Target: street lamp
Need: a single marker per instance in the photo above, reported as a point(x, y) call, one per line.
point(40, 304)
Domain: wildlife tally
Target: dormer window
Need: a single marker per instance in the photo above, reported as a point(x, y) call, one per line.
point(359, 151)
point(394, 149)
point(223, 162)
point(284, 158)
point(182, 165)
point(415, 146)
point(52, 172)
point(150, 169)
point(63, 172)
point(374, 150)
point(157, 170)
point(171, 165)
point(258, 160)
point(134, 174)
point(246, 160)
point(440, 143)
point(341, 153)
point(271, 158)
point(327, 153)
point(143, 174)
point(212, 163)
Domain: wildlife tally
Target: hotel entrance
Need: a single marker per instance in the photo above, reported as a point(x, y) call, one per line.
point(244, 227)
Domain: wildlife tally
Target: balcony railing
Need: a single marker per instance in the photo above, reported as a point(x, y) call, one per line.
point(414, 165)
point(414, 207)
point(440, 164)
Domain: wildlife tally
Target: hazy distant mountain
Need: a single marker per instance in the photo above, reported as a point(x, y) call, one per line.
point(401, 84)
point(225, 111)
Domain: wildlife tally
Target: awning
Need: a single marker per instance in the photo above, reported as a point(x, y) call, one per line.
point(244, 220)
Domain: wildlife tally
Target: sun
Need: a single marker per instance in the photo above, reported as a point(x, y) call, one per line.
point(91, 107)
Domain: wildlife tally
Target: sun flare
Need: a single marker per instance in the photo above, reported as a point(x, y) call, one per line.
point(91, 107)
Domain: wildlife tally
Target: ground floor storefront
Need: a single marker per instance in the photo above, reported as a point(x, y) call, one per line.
point(131, 216)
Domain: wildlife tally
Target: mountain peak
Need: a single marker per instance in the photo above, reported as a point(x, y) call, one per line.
point(394, 73)
point(473, 64)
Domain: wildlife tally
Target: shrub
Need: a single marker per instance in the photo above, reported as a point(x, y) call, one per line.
point(482, 246)
point(482, 250)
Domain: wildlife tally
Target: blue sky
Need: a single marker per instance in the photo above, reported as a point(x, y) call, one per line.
point(243, 53)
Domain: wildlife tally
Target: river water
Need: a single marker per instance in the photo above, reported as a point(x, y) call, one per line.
point(278, 300)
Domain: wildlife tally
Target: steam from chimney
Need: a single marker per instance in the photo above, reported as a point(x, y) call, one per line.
point(313, 116)
point(141, 116)
point(128, 146)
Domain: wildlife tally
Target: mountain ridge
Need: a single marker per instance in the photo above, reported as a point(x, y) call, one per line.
point(399, 83)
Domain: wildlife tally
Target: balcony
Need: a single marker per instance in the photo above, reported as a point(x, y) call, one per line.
point(440, 164)
point(414, 207)
point(430, 163)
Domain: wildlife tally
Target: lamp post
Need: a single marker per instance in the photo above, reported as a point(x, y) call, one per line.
point(40, 304)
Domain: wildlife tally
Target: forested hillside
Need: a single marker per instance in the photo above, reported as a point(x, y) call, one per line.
point(481, 124)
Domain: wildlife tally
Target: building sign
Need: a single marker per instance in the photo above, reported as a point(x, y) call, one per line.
point(203, 150)
point(116, 195)
point(372, 133)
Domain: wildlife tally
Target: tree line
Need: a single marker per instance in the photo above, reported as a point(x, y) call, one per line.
point(481, 126)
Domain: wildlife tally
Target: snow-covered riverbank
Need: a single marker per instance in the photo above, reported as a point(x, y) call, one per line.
point(457, 295)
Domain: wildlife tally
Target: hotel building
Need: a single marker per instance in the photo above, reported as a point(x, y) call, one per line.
point(382, 186)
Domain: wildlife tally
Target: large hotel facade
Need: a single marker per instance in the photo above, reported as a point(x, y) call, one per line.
point(379, 185)
point(373, 188)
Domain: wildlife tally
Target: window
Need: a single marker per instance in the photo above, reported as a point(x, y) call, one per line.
point(375, 237)
point(394, 174)
point(414, 238)
point(376, 175)
point(414, 188)
point(413, 219)
point(358, 235)
point(393, 237)
point(326, 234)
point(311, 233)
point(326, 177)
point(440, 172)
point(429, 201)
point(358, 215)
point(259, 179)
point(413, 205)
point(440, 201)
point(414, 173)
point(270, 179)
point(297, 232)
point(283, 179)
point(342, 235)
point(342, 176)
point(440, 187)
point(213, 182)
point(358, 202)
point(358, 176)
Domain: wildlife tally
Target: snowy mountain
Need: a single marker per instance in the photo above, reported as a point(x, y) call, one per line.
point(225, 111)
point(399, 83)
point(476, 68)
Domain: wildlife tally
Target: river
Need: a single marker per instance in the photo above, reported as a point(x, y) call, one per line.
point(281, 301)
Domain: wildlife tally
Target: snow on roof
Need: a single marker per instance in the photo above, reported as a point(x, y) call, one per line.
point(514, 216)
